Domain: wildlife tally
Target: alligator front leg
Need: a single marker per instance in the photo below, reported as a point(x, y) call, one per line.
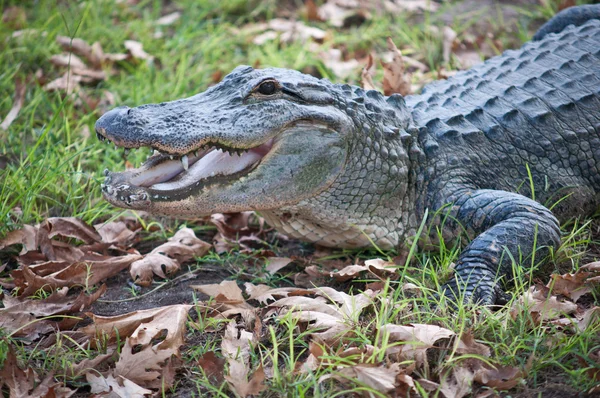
point(506, 227)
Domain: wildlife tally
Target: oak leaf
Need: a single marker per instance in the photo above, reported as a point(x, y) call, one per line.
point(119, 386)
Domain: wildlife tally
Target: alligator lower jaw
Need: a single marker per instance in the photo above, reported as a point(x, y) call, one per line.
point(163, 176)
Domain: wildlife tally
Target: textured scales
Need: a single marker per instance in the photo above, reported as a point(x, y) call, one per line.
point(348, 168)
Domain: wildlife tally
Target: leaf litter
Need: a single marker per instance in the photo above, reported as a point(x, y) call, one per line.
point(152, 339)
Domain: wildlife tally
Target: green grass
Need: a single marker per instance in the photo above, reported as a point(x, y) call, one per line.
point(53, 169)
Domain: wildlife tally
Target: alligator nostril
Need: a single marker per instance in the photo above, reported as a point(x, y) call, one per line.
point(128, 111)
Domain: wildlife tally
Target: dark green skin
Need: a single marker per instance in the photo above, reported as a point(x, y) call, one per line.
point(351, 168)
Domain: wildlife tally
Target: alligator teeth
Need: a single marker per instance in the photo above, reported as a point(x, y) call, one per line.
point(184, 162)
point(126, 152)
point(156, 152)
point(196, 154)
point(171, 157)
point(106, 172)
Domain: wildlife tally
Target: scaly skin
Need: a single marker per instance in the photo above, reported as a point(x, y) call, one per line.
point(346, 166)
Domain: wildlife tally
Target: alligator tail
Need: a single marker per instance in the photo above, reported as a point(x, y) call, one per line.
point(570, 16)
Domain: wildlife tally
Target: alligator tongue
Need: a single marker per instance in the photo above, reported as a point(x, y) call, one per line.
point(212, 164)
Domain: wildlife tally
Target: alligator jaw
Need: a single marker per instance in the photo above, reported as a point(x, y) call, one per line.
point(164, 176)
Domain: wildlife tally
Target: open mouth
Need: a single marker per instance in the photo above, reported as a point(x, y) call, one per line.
point(164, 173)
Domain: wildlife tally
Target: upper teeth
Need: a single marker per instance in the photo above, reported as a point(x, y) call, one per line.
point(184, 162)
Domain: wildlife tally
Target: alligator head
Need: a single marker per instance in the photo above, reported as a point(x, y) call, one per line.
point(272, 140)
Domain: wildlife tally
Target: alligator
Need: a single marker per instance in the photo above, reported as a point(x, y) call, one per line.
point(499, 154)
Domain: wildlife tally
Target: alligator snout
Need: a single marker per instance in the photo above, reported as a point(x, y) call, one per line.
point(113, 121)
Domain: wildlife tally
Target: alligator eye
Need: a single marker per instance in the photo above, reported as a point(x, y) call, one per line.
point(267, 88)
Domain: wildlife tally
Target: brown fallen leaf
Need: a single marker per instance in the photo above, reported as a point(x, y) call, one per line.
point(117, 387)
point(237, 229)
point(167, 258)
point(25, 236)
point(498, 377)
point(235, 347)
point(116, 232)
point(264, 293)
point(18, 101)
point(136, 49)
point(396, 80)
point(168, 19)
point(588, 318)
point(538, 301)
point(286, 30)
point(366, 76)
point(312, 11)
point(457, 383)
point(171, 318)
point(333, 59)
point(71, 227)
point(76, 370)
point(213, 367)
point(417, 339)
point(274, 264)
point(333, 321)
point(225, 292)
point(24, 382)
point(467, 345)
point(67, 60)
point(344, 14)
point(93, 54)
point(91, 270)
point(152, 264)
point(143, 364)
point(448, 38)
point(572, 286)
point(379, 378)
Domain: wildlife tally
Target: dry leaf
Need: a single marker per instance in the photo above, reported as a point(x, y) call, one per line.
point(449, 36)
point(212, 366)
point(417, 338)
point(500, 377)
point(288, 31)
point(18, 101)
point(264, 293)
point(379, 378)
point(152, 264)
point(312, 11)
point(91, 270)
point(24, 383)
point(589, 316)
point(119, 386)
point(171, 318)
point(236, 346)
point(366, 76)
point(115, 232)
point(166, 258)
point(235, 230)
point(396, 80)
point(67, 60)
point(538, 301)
point(458, 384)
point(332, 58)
point(71, 227)
point(168, 19)
point(147, 358)
point(571, 285)
point(136, 50)
point(333, 321)
point(25, 236)
point(274, 264)
point(225, 292)
point(467, 345)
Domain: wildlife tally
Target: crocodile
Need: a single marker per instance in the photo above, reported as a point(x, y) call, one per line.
point(499, 155)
